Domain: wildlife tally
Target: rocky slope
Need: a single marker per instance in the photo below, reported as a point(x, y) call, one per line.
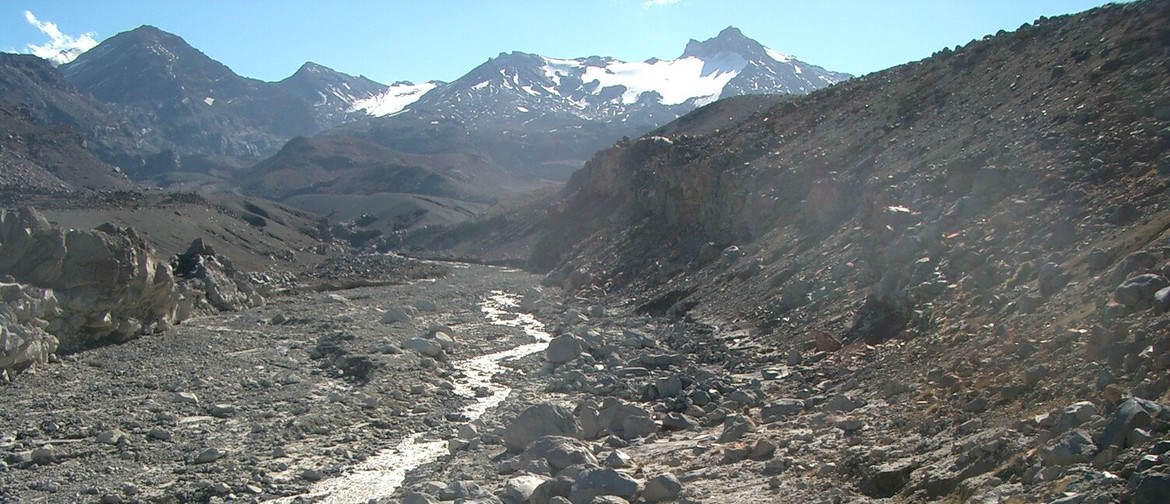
point(980, 235)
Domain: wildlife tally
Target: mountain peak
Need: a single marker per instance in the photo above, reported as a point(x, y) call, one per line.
point(729, 40)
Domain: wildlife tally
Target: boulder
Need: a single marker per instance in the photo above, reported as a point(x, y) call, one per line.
point(781, 409)
point(592, 483)
point(1133, 413)
point(539, 420)
point(1075, 447)
point(396, 314)
point(563, 348)
point(108, 283)
point(559, 452)
point(519, 489)
point(614, 415)
point(1138, 292)
point(224, 288)
point(735, 427)
point(664, 487)
point(424, 346)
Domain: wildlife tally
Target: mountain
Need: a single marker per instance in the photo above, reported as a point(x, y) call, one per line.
point(333, 95)
point(532, 89)
point(540, 118)
point(205, 111)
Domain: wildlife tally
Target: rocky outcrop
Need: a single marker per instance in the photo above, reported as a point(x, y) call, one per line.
point(222, 286)
point(24, 315)
point(107, 282)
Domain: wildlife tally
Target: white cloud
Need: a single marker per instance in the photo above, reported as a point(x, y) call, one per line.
point(60, 48)
point(649, 4)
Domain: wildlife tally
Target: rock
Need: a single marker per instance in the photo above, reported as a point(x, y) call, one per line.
point(559, 452)
point(1151, 488)
point(592, 483)
point(445, 340)
point(735, 427)
point(187, 397)
point(781, 409)
point(159, 434)
point(794, 357)
point(614, 415)
point(1133, 413)
point(222, 410)
point(1075, 447)
point(419, 498)
point(1162, 300)
point(664, 487)
point(1138, 292)
point(424, 346)
point(551, 490)
point(110, 437)
point(539, 420)
point(563, 348)
point(826, 342)
point(678, 421)
point(618, 459)
point(426, 305)
point(216, 277)
point(532, 299)
point(635, 427)
point(397, 314)
point(208, 455)
point(519, 489)
point(24, 313)
point(459, 490)
point(840, 403)
point(886, 480)
point(762, 450)
point(109, 287)
point(44, 455)
point(311, 475)
point(1072, 417)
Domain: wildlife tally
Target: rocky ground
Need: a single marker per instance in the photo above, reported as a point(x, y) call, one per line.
point(296, 400)
point(254, 404)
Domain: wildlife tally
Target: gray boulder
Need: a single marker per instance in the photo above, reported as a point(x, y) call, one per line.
point(1133, 413)
point(539, 420)
point(1138, 292)
point(664, 487)
point(559, 452)
point(519, 489)
point(563, 348)
point(592, 483)
point(1075, 447)
point(781, 409)
point(424, 346)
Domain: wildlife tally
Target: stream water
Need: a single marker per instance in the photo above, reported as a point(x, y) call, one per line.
point(382, 474)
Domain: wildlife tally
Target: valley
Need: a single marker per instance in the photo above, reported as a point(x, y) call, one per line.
point(729, 277)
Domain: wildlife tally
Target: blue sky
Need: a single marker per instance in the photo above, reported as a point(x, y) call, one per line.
point(391, 40)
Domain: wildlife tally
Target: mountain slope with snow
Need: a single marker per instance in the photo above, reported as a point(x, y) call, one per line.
point(331, 94)
point(393, 99)
point(530, 88)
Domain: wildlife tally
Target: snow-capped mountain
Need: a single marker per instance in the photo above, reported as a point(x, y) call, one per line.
point(533, 88)
point(332, 94)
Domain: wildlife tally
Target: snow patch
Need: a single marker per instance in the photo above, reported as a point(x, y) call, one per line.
point(209, 100)
point(394, 100)
point(777, 55)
